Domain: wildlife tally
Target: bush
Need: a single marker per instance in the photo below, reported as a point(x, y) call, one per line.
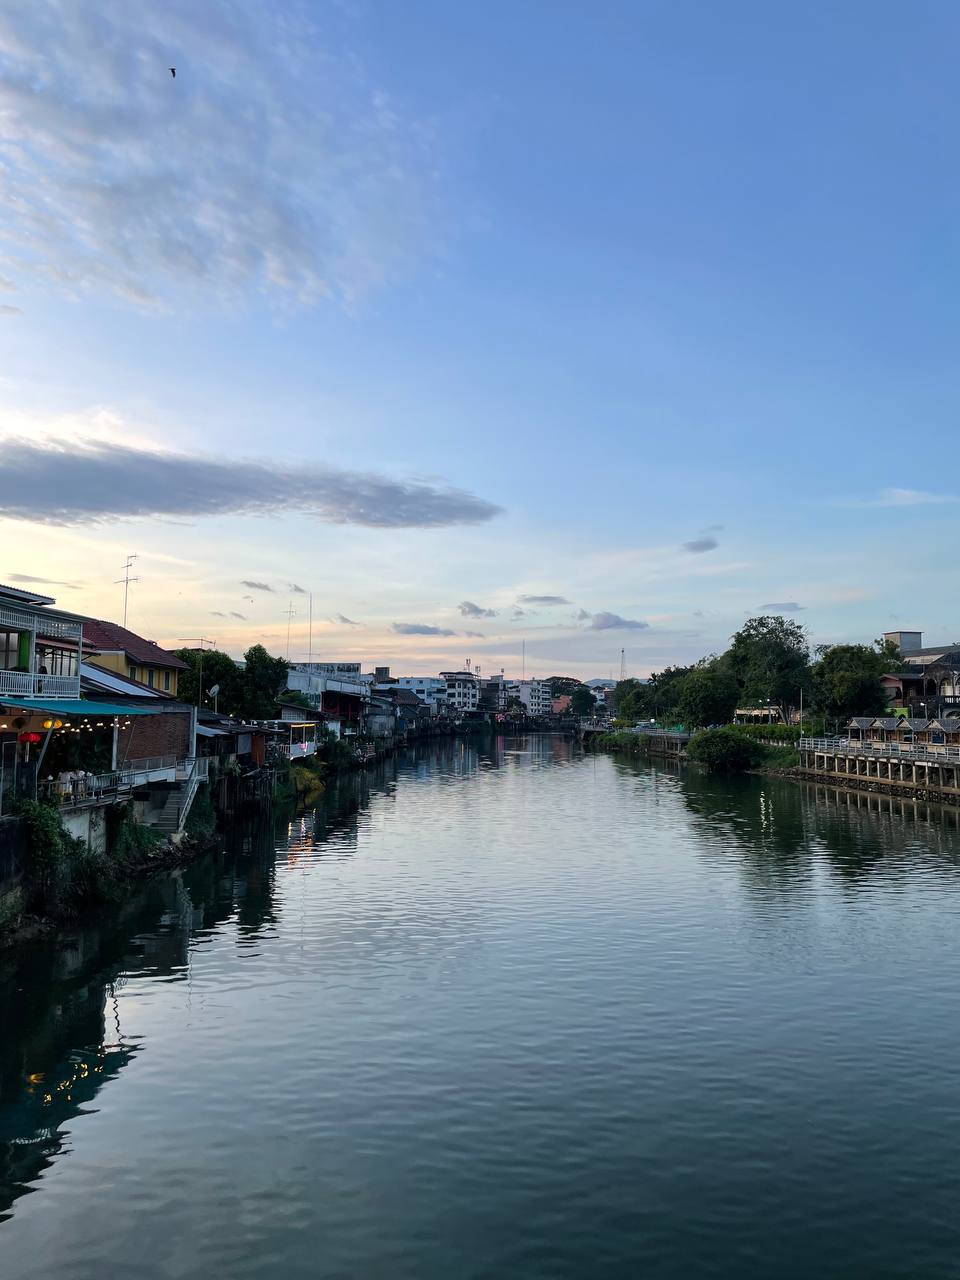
point(63, 871)
point(726, 750)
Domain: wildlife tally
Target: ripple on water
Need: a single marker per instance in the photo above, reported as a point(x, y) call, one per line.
point(510, 1011)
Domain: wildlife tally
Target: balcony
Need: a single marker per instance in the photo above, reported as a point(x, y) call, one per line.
point(24, 684)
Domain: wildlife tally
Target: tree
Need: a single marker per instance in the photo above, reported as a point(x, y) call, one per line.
point(560, 685)
point(770, 661)
point(708, 694)
point(297, 699)
point(629, 700)
point(264, 679)
point(663, 691)
point(846, 679)
point(516, 705)
point(218, 669)
point(582, 701)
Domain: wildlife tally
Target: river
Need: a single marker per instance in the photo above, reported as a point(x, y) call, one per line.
point(504, 1011)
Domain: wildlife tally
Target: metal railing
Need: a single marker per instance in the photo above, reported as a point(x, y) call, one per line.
point(85, 788)
point(27, 684)
point(932, 751)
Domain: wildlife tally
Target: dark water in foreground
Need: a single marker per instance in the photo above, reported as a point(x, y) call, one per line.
point(512, 1012)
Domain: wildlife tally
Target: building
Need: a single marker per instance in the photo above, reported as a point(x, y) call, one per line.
point(114, 648)
point(536, 696)
point(930, 682)
point(463, 691)
point(338, 689)
point(431, 690)
point(40, 647)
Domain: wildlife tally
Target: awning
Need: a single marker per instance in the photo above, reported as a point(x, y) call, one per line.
point(203, 731)
point(76, 707)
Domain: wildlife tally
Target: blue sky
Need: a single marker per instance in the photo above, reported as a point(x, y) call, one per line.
point(647, 307)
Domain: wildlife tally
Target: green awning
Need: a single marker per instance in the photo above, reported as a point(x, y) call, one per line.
point(76, 707)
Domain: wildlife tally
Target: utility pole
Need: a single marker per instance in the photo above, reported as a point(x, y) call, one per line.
point(126, 580)
point(310, 631)
point(623, 664)
point(200, 641)
point(523, 661)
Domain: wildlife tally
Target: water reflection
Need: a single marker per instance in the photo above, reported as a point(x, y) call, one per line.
point(584, 1016)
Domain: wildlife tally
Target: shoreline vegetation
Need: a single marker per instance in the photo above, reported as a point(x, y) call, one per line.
point(731, 749)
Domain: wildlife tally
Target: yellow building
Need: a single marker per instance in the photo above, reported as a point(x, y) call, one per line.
point(116, 649)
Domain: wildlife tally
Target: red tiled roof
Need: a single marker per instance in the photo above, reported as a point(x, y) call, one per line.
point(107, 636)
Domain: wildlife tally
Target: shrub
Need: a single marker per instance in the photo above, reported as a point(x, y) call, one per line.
point(726, 750)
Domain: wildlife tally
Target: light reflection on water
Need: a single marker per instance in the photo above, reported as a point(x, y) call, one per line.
point(504, 1010)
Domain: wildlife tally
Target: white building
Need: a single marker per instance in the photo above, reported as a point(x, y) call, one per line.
point(534, 694)
point(463, 691)
point(430, 689)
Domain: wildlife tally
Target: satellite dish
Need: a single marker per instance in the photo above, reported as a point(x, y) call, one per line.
point(213, 690)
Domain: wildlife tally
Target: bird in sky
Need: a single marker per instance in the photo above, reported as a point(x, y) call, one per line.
point(173, 72)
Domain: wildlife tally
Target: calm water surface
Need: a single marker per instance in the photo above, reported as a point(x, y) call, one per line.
point(507, 1011)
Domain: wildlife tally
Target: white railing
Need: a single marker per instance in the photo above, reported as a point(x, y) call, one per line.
point(933, 751)
point(197, 772)
point(55, 628)
point(25, 684)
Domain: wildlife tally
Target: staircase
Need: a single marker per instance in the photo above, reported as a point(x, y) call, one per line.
point(177, 805)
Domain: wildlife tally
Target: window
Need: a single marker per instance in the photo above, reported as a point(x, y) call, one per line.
point(166, 682)
point(132, 672)
point(151, 676)
point(9, 648)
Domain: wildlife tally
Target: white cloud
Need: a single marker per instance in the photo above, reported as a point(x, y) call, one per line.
point(904, 498)
point(267, 165)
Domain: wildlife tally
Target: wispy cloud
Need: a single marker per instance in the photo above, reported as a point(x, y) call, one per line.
point(346, 622)
point(784, 606)
point(242, 617)
point(297, 591)
point(420, 629)
point(66, 482)
point(255, 586)
point(543, 601)
point(215, 613)
point(604, 621)
point(475, 635)
point(267, 166)
point(7, 310)
point(902, 498)
point(470, 610)
point(44, 582)
point(697, 546)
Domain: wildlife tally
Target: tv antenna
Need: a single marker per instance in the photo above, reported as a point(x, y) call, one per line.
point(291, 614)
point(126, 580)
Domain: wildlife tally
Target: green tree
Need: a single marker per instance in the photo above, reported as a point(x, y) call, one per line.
point(662, 693)
point(582, 701)
point(264, 679)
point(708, 694)
point(846, 679)
point(218, 669)
point(560, 685)
point(770, 660)
point(629, 700)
